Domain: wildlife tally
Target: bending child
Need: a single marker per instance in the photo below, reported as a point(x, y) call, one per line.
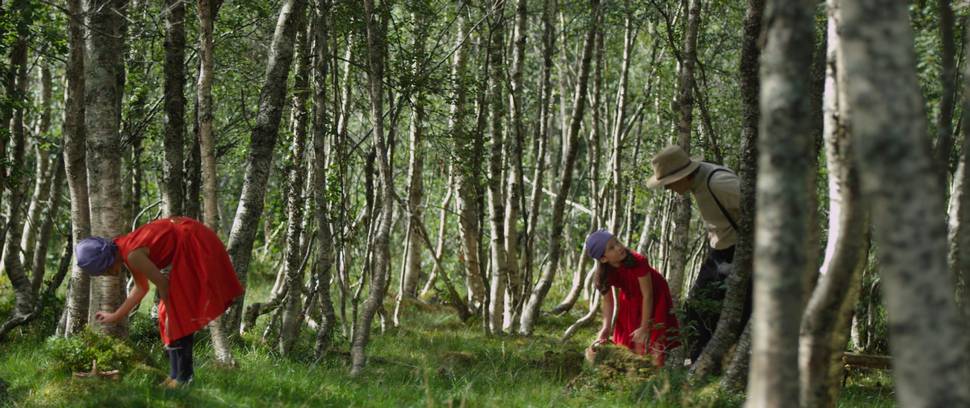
point(202, 283)
point(644, 317)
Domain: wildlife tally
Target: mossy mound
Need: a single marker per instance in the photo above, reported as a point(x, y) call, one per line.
point(78, 353)
point(609, 366)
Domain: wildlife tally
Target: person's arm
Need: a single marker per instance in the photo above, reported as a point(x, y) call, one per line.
point(133, 299)
point(139, 262)
point(642, 334)
point(607, 308)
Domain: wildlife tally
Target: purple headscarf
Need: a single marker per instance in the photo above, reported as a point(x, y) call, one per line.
point(95, 255)
point(596, 243)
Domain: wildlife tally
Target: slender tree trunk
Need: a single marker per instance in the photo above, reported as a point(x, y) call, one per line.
point(412, 263)
point(51, 208)
point(515, 192)
point(104, 63)
point(295, 196)
point(55, 283)
point(174, 121)
point(735, 378)
point(321, 123)
point(891, 145)
point(496, 196)
point(207, 10)
point(39, 201)
point(76, 309)
point(260, 158)
point(598, 190)
point(375, 27)
point(545, 121)
point(730, 322)
point(825, 325)
point(948, 81)
point(786, 144)
point(828, 316)
point(440, 244)
point(530, 313)
point(816, 93)
point(193, 170)
point(467, 165)
point(621, 102)
point(582, 270)
point(557, 155)
point(8, 74)
point(960, 208)
point(14, 179)
point(597, 182)
point(706, 125)
point(684, 106)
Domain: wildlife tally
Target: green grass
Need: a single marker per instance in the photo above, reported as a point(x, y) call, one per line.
point(432, 360)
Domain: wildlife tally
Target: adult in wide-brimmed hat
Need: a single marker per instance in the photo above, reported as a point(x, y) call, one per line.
point(671, 165)
point(717, 192)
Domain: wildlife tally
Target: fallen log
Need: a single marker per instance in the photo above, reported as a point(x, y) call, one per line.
point(867, 361)
point(851, 361)
point(110, 374)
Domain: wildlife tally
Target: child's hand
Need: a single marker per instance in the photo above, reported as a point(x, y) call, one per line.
point(105, 317)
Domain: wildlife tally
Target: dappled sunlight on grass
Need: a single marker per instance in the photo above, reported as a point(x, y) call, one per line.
point(433, 359)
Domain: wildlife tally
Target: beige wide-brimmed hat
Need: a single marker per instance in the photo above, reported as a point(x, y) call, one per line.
point(670, 165)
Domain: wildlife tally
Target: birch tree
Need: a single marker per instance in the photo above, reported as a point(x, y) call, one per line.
point(948, 79)
point(496, 194)
point(375, 26)
point(260, 157)
point(44, 174)
point(412, 261)
point(78, 296)
point(620, 120)
point(104, 63)
point(730, 324)
point(542, 141)
point(895, 163)
point(207, 10)
point(467, 164)
point(321, 123)
point(515, 185)
point(14, 175)
point(50, 209)
point(684, 106)
point(532, 308)
point(295, 198)
point(960, 208)
point(48, 202)
point(825, 324)
point(785, 145)
point(174, 119)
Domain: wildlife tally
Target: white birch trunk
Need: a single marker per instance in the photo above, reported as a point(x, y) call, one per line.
point(896, 167)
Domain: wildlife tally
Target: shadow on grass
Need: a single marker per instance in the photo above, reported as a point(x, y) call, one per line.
point(433, 358)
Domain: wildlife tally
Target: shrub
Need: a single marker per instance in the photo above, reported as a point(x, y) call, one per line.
point(76, 353)
point(143, 331)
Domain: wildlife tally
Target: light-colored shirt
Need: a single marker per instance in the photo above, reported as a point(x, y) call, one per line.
point(726, 186)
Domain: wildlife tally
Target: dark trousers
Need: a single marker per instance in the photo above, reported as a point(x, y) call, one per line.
point(703, 307)
point(180, 358)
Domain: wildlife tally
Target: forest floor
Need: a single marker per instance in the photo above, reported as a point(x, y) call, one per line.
point(433, 359)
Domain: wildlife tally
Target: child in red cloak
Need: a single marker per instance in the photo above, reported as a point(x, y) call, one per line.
point(201, 285)
point(644, 317)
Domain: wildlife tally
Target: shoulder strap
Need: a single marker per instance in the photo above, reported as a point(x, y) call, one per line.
point(718, 202)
